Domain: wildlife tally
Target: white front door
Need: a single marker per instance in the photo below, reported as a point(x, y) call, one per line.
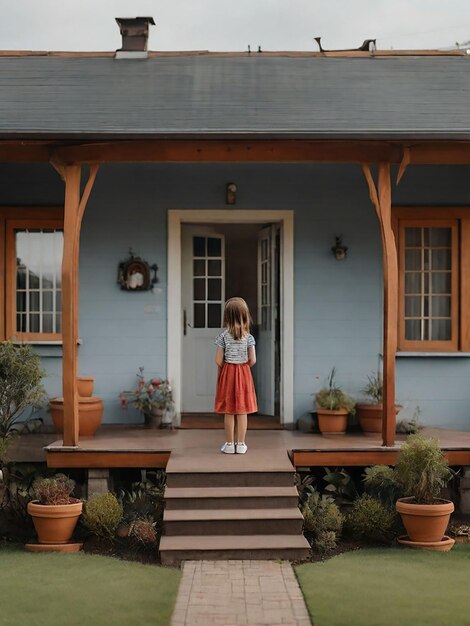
point(203, 296)
point(267, 318)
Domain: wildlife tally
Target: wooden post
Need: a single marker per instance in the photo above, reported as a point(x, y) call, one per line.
point(382, 200)
point(74, 208)
point(70, 303)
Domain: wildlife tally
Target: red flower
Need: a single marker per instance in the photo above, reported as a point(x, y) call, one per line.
point(156, 381)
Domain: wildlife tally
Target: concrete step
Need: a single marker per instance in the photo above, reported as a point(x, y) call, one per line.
point(284, 521)
point(173, 550)
point(178, 498)
point(192, 479)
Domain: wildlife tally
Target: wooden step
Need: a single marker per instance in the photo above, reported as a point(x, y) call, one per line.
point(173, 550)
point(230, 479)
point(230, 497)
point(287, 521)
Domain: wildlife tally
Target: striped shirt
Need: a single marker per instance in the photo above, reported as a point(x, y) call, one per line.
point(235, 350)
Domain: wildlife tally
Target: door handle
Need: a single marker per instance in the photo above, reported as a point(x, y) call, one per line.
point(185, 323)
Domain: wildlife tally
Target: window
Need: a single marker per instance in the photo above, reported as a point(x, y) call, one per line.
point(208, 281)
point(33, 266)
point(433, 283)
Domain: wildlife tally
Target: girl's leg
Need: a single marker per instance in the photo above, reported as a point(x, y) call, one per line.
point(229, 424)
point(242, 424)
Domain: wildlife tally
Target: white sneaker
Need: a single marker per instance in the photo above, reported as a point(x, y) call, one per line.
point(241, 448)
point(228, 448)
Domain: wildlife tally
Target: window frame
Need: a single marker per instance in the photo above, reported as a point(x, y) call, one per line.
point(13, 222)
point(438, 216)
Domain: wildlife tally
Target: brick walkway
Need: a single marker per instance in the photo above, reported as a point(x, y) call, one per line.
point(230, 593)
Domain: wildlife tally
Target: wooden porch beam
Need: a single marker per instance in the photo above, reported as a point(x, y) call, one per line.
point(229, 150)
point(382, 200)
point(404, 163)
point(206, 150)
point(74, 208)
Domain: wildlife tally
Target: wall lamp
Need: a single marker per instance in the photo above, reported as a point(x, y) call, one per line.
point(231, 193)
point(339, 249)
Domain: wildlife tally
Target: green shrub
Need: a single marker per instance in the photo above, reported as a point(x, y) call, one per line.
point(144, 531)
point(370, 520)
point(55, 490)
point(102, 515)
point(20, 375)
point(422, 468)
point(381, 483)
point(325, 542)
point(321, 514)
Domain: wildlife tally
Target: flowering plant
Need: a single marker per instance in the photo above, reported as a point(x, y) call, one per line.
point(149, 395)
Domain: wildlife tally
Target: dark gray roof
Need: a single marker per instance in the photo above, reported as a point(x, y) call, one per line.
point(398, 97)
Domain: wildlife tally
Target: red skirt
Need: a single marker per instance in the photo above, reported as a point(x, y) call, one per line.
point(235, 390)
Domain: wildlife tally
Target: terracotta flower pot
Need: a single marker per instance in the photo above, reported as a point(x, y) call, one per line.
point(85, 386)
point(153, 419)
point(90, 414)
point(370, 416)
point(332, 422)
point(54, 523)
point(425, 522)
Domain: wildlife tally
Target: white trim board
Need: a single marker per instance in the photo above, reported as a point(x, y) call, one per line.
point(176, 218)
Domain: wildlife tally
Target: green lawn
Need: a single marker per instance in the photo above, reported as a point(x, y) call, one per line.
point(385, 587)
point(77, 589)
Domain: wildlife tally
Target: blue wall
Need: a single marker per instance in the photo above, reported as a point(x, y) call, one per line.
point(338, 313)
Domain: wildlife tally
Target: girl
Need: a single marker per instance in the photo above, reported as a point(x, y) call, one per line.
point(235, 355)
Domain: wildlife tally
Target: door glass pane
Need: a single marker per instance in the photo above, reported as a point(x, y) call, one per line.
point(441, 259)
point(199, 267)
point(440, 237)
point(199, 246)
point(214, 246)
point(441, 330)
point(34, 323)
point(199, 315)
point(47, 323)
point(214, 289)
point(214, 315)
point(413, 330)
point(199, 289)
point(441, 282)
point(412, 282)
point(34, 301)
point(47, 301)
point(412, 237)
point(413, 306)
point(214, 268)
point(413, 259)
point(440, 306)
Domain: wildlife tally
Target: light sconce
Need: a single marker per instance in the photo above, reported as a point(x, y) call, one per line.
point(339, 249)
point(231, 193)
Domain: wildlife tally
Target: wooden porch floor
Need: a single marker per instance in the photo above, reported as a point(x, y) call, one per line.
point(117, 446)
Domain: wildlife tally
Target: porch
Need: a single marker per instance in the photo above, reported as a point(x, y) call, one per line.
point(132, 446)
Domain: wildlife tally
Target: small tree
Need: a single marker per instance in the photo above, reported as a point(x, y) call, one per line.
point(20, 388)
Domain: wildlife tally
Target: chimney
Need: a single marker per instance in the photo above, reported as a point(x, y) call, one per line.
point(135, 34)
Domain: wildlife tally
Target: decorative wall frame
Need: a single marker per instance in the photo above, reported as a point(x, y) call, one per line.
point(135, 274)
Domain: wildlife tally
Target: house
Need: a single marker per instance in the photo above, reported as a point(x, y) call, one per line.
point(234, 174)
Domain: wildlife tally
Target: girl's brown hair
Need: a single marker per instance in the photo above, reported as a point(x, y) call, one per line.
point(237, 317)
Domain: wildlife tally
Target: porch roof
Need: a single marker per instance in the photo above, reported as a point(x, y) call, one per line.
point(403, 97)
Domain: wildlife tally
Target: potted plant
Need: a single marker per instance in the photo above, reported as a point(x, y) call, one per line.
point(153, 398)
point(55, 513)
point(370, 414)
point(423, 471)
point(333, 407)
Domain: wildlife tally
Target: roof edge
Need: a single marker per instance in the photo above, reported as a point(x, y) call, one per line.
point(287, 53)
